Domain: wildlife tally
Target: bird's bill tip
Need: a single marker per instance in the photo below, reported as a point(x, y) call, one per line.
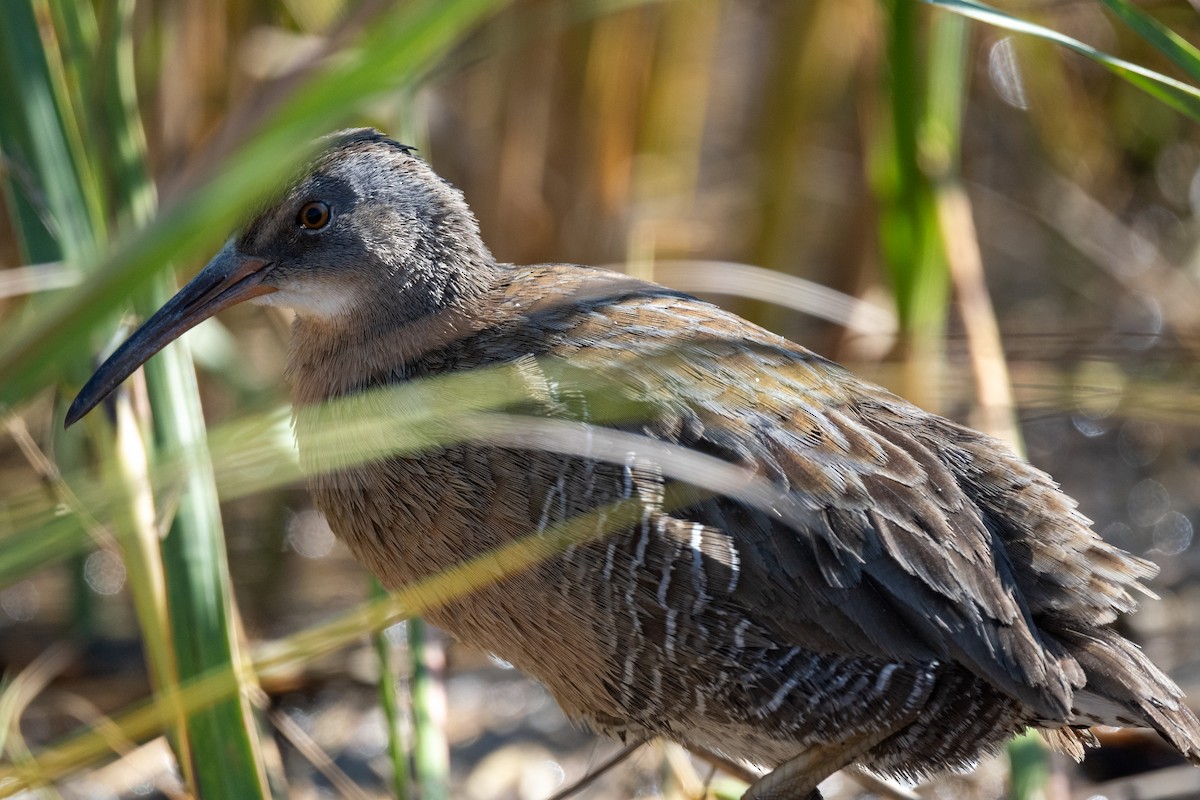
point(230, 278)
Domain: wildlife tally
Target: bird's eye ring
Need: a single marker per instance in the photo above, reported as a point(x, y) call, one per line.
point(314, 215)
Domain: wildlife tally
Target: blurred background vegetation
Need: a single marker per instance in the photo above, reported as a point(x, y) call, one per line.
point(1000, 228)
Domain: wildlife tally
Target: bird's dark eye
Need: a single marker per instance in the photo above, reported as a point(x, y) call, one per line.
point(314, 215)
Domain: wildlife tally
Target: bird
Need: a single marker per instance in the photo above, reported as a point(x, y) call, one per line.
point(895, 592)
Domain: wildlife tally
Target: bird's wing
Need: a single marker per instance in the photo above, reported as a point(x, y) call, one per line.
point(899, 534)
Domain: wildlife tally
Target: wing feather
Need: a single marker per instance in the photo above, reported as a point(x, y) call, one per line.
point(899, 534)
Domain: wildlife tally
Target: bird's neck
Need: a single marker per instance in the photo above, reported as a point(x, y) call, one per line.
point(331, 359)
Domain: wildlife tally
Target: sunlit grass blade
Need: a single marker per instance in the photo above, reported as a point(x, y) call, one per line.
point(19, 281)
point(134, 508)
point(15, 695)
point(1176, 94)
point(787, 291)
point(1165, 40)
point(40, 544)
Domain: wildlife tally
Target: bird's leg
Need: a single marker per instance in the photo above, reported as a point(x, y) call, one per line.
point(798, 777)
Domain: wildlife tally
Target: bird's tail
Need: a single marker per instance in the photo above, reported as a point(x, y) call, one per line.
point(1123, 688)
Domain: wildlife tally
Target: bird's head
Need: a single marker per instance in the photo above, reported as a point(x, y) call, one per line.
point(368, 236)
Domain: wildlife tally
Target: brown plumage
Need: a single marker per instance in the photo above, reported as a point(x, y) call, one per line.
point(906, 596)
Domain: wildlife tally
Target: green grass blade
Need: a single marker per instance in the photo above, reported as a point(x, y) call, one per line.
point(389, 699)
point(34, 240)
point(907, 223)
point(1176, 94)
point(72, 54)
point(199, 594)
point(431, 752)
point(946, 91)
point(1165, 40)
point(1031, 768)
point(39, 166)
point(34, 547)
point(907, 242)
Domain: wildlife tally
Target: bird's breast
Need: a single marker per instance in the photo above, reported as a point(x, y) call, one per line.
point(451, 525)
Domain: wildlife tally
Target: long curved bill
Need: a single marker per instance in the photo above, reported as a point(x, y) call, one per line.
point(227, 280)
